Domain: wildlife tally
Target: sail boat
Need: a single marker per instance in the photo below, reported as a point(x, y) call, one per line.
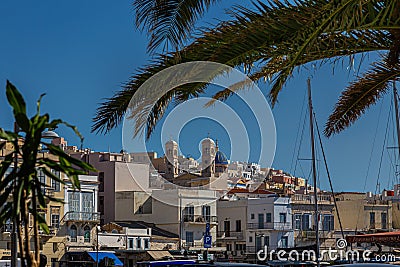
point(314, 172)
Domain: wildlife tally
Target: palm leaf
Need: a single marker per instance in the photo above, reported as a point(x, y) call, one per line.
point(360, 95)
point(269, 42)
point(169, 22)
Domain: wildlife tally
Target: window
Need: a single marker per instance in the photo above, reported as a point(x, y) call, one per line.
point(87, 205)
point(146, 244)
point(284, 242)
point(228, 247)
point(227, 228)
point(240, 247)
point(101, 181)
point(138, 243)
point(306, 221)
point(55, 217)
point(86, 232)
point(74, 204)
point(130, 243)
point(328, 222)
point(250, 239)
point(42, 179)
point(206, 213)
point(73, 231)
point(258, 242)
point(252, 216)
point(189, 239)
point(282, 217)
point(261, 221)
point(238, 225)
point(55, 184)
point(188, 214)
point(268, 217)
point(383, 220)
point(297, 221)
point(372, 219)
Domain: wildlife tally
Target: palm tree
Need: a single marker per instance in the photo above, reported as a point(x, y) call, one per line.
point(22, 193)
point(269, 41)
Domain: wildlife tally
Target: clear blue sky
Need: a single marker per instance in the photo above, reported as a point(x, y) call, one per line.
point(79, 52)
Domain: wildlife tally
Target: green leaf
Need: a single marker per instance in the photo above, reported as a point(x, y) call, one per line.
point(22, 121)
point(9, 136)
point(42, 223)
point(15, 99)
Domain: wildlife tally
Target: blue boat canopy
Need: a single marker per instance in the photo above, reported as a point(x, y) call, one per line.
point(102, 255)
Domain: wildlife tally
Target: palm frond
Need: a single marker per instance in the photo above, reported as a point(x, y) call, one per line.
point(360, 95)
point(269, 42)
point(169, 22)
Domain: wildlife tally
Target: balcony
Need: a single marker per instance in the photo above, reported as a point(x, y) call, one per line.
point(231, 235)
point(82, 216)
point(271, 226)
point(196, 244)
point(52, 232)
point(199, 218)
point(309, 199)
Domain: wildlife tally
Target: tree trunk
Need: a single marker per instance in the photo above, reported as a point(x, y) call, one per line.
point(25, 212)
point(20, 239)
point(36, 257)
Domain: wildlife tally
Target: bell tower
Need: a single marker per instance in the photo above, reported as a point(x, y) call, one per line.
point(171, 159)
point(207, 157)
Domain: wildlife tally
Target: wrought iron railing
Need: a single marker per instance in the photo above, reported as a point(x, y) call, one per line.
point(272, 225)
point(82, 216)
point(230, 234)
point(199, 218)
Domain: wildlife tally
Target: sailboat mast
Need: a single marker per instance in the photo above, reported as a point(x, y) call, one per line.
point(396, 108)
point(314, 173)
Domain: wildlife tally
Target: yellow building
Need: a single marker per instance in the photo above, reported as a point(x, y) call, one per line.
point(363, 212)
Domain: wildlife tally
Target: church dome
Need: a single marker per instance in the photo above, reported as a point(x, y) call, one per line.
point(208, 140)
point(220, 158)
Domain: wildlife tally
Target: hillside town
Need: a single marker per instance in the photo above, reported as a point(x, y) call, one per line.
point(140, 206)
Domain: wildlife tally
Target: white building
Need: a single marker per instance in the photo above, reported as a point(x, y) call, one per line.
point(80, 212)
point(269, 223)
point(184, 212)
point(122, 236)
point(246, 224)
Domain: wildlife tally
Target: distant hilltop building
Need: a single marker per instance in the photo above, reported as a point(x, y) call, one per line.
point(187, 172)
